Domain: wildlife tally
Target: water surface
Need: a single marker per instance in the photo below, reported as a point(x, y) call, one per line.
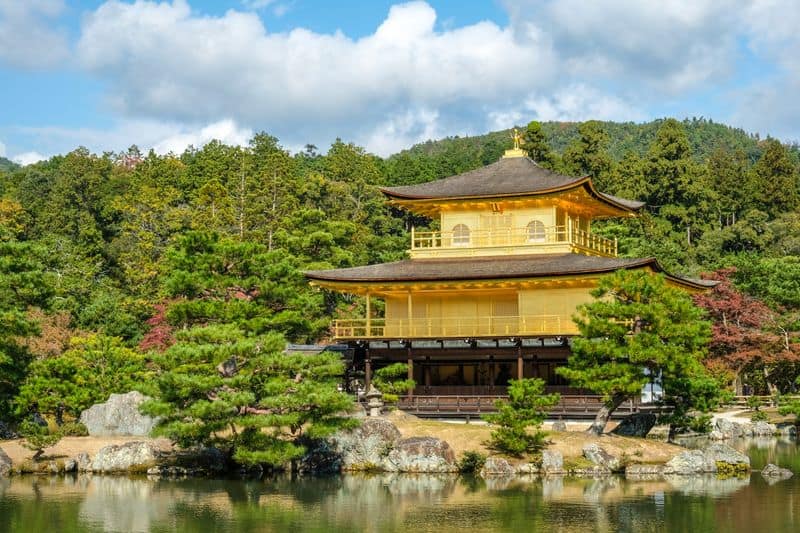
point(410, 503)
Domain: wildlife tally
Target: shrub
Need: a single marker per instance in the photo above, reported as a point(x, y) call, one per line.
point(526, 407)
point(471, 462)
point(759, 416)
point(73, 429)
point(37, 437)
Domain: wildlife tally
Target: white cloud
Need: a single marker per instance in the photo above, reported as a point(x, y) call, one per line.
point(27, 36)
point(401, 130)
point(2, 150)
point(28, 158)
point(164, 62)
point(225, 130)
point(163, 137)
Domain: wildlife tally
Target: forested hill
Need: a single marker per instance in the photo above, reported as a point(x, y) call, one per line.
point(109, 229)
point(453, 155)
point(6, 164)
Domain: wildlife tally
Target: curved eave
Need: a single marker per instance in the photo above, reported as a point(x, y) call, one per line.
point(338, 280)
point(409, 201)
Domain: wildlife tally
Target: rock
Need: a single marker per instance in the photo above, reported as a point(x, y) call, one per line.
point(559, 425)
point(552, 462)
point(716, 435)
point(83, 462)
point(527, 469)
point(686, 463)
point(764, 429)
point(787, 429)
point(70, 465)
point(119, 416)
point(6, 433)
point(643, 471)
point(496, 466)
point(636, 425)
point(592, 471)
point(367, 446)
point(129, 457)
point(728, 428)
point(600, 457)
point(772, 471)
point(720, 453)
point(52, 467)
point(175, 471)
point(321, 458)
point(709, 460)
point(422, 454)
point(5, 464)
point(659, 433)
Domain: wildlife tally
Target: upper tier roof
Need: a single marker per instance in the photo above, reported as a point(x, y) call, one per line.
point(510, 176)
point(481, 268)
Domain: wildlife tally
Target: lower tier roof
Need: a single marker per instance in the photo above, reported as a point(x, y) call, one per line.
point(482, 268)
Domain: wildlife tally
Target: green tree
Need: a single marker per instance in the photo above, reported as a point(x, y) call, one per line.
point(219, 386)
point(392, 380)
point(637, 328)
point(91, 369)
point(24, 282)
point(774, 180)
point(534, 141)
point(37, 437)
point(519, 419)
point(588, 154)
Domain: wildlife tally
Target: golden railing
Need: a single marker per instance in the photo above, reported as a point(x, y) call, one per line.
point(516, 237)
point(455, 327)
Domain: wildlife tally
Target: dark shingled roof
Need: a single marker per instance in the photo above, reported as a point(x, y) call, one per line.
point(476, 268)
point(507, 177)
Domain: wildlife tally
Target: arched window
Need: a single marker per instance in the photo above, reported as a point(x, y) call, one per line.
point(461, 235)
point(536, 231)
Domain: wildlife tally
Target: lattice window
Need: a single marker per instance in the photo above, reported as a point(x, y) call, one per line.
point(536, 231)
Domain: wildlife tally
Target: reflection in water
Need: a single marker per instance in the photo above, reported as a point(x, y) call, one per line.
point(395, 502)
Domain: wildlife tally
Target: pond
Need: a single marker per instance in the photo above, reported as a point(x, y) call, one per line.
point(410, 502)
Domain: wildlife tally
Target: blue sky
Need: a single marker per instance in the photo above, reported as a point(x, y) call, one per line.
point(163, 75)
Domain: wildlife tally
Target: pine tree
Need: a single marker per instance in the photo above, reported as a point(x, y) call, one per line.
point(534, 141)
point(637, 328)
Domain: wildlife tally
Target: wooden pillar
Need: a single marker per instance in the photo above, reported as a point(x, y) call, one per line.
point(492, 372)
point(369, 317)
point(410, 368)
point(367, 372)
point(427, 372)
point(410, 315)
point(520, 363)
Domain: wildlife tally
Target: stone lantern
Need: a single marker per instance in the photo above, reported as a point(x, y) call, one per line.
point(374, 401)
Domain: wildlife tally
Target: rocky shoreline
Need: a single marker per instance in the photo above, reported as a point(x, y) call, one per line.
point(378, 446)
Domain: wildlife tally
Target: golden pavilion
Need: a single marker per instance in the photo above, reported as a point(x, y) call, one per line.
point(490, 296)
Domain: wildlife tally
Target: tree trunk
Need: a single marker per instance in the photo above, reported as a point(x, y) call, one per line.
point(604, 413)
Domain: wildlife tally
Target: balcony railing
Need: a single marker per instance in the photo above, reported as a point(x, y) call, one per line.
point(468, 243)
point(455, 327)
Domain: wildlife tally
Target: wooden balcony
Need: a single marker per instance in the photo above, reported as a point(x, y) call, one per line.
point(509, 241)
point(584, 406)
point(455, 327)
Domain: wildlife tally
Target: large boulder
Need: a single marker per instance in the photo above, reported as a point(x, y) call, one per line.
point(559, 425)
point(552, 462)
point(688, 462)
point(728, 429)
point(5, 464)
point(131, 457)
point(787, 429)
point(636, 425)
point(497, 466)
point(721, 454)
point(597, 455)
point(764, 429)
point(367, 446)
point(715, 458)
point(119, 416)
point(422, 454)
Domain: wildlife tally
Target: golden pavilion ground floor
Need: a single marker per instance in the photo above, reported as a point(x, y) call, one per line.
point(463, 378)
